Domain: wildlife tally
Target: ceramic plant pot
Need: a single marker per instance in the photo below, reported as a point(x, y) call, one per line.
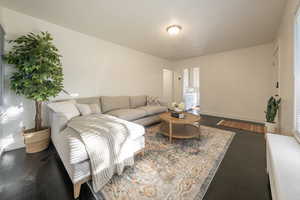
point(271, 127)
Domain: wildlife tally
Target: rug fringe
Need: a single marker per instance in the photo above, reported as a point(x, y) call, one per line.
point(220, 122)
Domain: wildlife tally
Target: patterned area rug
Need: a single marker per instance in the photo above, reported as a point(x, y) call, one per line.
point(181, 170)
point(242, 126)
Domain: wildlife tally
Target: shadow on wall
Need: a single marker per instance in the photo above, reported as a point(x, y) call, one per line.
point(16, 114)
point(17, 111)
point(11, 123)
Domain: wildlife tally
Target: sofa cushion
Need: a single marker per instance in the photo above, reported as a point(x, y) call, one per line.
point(137, 101)
point(89, 100)
point(152, 110)
point(148, 120)
point(72, 149)
point(114, 103)
point(128, 114)
point(87, 109)
point(65, 108)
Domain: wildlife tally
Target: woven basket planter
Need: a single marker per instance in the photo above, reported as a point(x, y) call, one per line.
point(36, 141)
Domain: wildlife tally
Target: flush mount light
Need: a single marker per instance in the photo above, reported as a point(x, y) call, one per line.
point(174, 29)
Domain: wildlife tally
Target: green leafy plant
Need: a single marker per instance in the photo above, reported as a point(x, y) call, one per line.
point(38, 73)
point(272, 108)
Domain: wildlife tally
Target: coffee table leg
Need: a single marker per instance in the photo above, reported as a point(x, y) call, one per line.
point(170, 132)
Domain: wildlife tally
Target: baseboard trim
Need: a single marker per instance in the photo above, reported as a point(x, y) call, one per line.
point(10, 145)
point(230, 116)
point(14, 146)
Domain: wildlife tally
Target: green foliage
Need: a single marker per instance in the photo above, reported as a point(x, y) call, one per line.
point(272, 108)
point(39, 71)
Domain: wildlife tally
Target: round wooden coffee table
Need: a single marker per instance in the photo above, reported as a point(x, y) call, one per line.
point(179, 128)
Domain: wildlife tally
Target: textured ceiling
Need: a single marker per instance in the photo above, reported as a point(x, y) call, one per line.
point(209, 26)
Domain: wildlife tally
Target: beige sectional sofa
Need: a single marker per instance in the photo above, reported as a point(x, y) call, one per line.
point(130, 108)
point(69, 145)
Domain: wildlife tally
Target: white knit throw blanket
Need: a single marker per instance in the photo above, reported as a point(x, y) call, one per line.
point(104, 137)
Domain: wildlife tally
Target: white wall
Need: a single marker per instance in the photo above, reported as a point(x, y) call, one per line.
point(235, 84)
point(285, 42)
point(0, 15)
point(91, 67)
point(1, 127)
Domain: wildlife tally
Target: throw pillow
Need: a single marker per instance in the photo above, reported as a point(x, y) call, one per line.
point(87, 109)
point(66, 108)
point(153, 101)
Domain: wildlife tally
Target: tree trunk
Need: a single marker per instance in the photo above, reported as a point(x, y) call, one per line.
point(38, 115)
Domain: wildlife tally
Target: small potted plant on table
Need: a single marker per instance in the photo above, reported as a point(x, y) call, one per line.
point(38, 77)
point(271, 112)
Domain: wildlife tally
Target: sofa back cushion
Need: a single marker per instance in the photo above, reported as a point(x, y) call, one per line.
point(87, 109)
point(90, 101)
point(138, 101)
point(66, 108)
point(114, 103)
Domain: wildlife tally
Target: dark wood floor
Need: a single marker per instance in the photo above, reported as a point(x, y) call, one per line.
point(242, 173)
point(41, 176)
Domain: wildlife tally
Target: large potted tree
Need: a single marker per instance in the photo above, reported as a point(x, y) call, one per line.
point(271, 112)
point(38, 77)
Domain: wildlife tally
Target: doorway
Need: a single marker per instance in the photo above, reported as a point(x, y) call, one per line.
point(191, 88)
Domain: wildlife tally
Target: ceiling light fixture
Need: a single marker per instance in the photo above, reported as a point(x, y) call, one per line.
point(174, 29)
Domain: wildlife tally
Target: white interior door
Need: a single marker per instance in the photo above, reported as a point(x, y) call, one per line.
point(167, 85)
point(178, 87)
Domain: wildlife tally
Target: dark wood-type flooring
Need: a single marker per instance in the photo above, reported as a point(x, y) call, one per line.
point(241, 175)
